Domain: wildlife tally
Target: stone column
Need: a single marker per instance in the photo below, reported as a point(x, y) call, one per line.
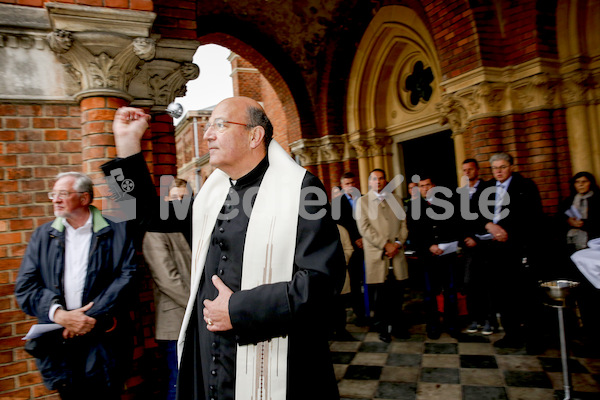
point(364, 166)
point(111, 57)
point(583, 143)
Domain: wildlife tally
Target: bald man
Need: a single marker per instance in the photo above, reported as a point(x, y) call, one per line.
point(266, 263)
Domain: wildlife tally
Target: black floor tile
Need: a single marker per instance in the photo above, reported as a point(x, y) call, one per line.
point(340, 357)
point(532, 379)
point(477, 361)
point(404, 360)
point(511, 352)
point(484, 393)
point(396, 390)
point(374, 347)
point(440, 375)
point(555, 365)
point(363, 372)
point(441, 348)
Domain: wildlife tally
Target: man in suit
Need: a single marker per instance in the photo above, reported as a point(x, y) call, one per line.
point(476, 271)
point(356, 266)
point(169, 259)
point(432, 222)
point(266, 264)
point(514, 220)
point(382, 224)
point(78, 272)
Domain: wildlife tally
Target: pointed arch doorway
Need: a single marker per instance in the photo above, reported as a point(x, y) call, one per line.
point(393, 90)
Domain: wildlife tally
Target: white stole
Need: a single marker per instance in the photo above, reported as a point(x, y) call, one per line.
point(269, 250)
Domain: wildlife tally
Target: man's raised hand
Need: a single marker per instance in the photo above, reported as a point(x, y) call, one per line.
point(129, 126)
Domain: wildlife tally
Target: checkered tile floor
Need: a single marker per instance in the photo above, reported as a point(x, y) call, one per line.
point(470, 368)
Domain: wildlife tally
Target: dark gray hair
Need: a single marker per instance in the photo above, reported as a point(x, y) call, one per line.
point(501, 157)
point(257, 117)
point(83, 183)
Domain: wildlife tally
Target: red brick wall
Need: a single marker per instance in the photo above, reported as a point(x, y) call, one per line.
point(467, 38)
point(140, 5)
point(538, 143)
point(36, 143)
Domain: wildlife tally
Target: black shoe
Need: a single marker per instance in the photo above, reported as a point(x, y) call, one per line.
point(434, 333)
point(458, 335)
point(509, 342)
point(361, 321)
point(401, 333)
point(385, 337)
point(344, 336)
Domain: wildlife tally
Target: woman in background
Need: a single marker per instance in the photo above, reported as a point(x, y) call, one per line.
point(581, 211)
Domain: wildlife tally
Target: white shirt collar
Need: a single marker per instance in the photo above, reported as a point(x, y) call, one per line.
point(504, 184)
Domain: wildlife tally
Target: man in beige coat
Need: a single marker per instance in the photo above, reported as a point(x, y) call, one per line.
point(382, 224)
point(169, 259)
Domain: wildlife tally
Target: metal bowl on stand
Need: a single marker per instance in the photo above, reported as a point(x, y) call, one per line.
point(558, 291)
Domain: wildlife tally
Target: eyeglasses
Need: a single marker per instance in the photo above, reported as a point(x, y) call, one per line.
point(500, 168)
point(61, 194)
point(219, 125)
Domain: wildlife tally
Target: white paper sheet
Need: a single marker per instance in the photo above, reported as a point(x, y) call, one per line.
point(38, 330)
point(448, 248)
point(487, 236)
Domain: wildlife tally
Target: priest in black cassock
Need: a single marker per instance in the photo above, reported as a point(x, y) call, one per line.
point(266, 262)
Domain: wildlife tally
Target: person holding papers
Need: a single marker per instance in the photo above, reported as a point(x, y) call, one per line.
point(432, 222)
point(516, 222)
point(581, 211)
point(78, 272)
point(580, 218)
point(477, 277)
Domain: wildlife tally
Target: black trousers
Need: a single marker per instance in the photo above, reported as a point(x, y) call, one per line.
point(441, 276)
point(356, 270)
point(478, 279)
point(388, 298)
point(516, 292)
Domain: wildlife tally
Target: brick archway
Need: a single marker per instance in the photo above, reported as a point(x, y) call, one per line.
point(294, 122)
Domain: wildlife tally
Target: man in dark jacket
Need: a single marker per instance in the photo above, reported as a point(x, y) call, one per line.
point(343, 213)
point(515, 221)
point(77, 272)
point(432, 221)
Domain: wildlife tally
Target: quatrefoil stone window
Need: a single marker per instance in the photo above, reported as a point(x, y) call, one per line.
point(419, 84)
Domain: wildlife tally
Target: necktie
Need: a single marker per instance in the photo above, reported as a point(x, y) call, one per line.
point(500, 192)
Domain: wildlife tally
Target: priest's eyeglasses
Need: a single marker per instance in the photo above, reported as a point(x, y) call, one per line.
point(61, 194)
point(219, 124)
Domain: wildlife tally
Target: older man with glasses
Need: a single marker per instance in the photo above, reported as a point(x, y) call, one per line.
point(77, 272)
point(515, 226)
point(266, 264)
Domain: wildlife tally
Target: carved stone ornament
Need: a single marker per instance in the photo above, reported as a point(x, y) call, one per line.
point(164, 90)
point(575, 87)
point(98, 73)
point(378, 146)
point(307, 151)
point(362, 147)
point(453, 112)
point(331, 149)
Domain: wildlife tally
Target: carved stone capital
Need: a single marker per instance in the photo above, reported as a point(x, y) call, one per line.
point(332, 149)
point(486, 98)
point(110, 69)
point(575, 87)
point(538, 90)
point(307, 151)
point(379, 145)
point(101, 49)
point(453, 112)
point(164, 78)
